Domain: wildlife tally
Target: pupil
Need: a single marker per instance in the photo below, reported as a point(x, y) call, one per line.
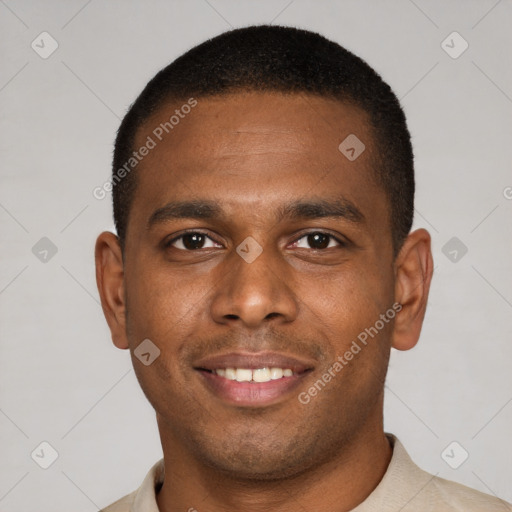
point(193, 241)
point(318, 240)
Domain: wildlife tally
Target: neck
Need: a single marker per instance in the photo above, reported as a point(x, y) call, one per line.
point(340, 484)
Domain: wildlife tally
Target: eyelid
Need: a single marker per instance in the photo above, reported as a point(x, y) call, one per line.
point(168, 243)
point(342, 242)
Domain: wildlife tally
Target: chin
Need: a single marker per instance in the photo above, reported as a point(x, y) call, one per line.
point(246, 468)
point(255, 458)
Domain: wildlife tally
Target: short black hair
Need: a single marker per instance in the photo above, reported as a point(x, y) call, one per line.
point(278, 59)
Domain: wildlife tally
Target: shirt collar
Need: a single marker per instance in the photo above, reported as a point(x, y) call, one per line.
point(401, 474)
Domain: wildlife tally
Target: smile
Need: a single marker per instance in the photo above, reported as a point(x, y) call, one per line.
point(252, 379)
point(256, 375)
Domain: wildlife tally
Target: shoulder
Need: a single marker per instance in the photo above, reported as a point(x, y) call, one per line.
point(459, 497)
point(408, 488)
point(122, 505)
point(142, 499)
point(422, 491)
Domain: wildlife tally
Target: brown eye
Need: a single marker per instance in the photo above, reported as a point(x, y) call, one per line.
point(192, 241)
point(318, 240)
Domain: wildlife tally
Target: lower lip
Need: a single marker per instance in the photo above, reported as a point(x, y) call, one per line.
point(250, 394)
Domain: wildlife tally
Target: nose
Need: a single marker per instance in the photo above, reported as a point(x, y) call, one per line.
point(256, 292)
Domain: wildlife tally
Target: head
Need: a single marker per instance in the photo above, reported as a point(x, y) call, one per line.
point(269, 213)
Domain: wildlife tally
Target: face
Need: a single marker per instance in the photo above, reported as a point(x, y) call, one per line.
point(253, 243)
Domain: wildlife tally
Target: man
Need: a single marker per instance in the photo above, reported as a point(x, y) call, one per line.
point(263, 268)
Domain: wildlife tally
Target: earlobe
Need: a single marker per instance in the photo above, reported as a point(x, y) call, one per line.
point(110, 282)
point(413, 274)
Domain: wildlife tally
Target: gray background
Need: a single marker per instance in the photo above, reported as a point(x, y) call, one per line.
point(62, 380)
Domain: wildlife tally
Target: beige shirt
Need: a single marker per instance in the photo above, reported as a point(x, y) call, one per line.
point(405, 488)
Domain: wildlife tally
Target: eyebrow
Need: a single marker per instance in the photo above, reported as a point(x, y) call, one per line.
point(320, 208)
point(300, 209)
point(196, 209)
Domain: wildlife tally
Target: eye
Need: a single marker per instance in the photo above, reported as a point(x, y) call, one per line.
point(318, 240)
point(192, 241)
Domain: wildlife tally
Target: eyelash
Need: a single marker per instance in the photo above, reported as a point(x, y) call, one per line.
point(169, 243)
point(194, 232)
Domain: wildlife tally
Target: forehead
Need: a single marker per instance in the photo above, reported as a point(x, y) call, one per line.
point(256, 117)
point(256, 147)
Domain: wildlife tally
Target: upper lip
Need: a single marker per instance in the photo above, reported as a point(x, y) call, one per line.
point(253, 361)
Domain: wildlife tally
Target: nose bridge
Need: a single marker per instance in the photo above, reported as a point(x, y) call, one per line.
point(256, 276)
point(254, 288)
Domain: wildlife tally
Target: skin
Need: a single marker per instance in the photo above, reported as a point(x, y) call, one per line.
point(252, 153)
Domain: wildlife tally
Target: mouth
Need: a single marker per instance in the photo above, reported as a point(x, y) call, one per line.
point(252, 380)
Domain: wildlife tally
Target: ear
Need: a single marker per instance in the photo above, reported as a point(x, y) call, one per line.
point(413, 274)
point(110, 281)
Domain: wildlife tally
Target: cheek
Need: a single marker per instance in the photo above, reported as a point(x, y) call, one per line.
point(358, 340)
point(350, 301)
point(160, 304)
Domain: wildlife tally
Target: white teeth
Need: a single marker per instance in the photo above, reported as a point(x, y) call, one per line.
point(257, 375)
point(276, 373)
point(261, 375)
point(230, 373)
point(243, 375)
